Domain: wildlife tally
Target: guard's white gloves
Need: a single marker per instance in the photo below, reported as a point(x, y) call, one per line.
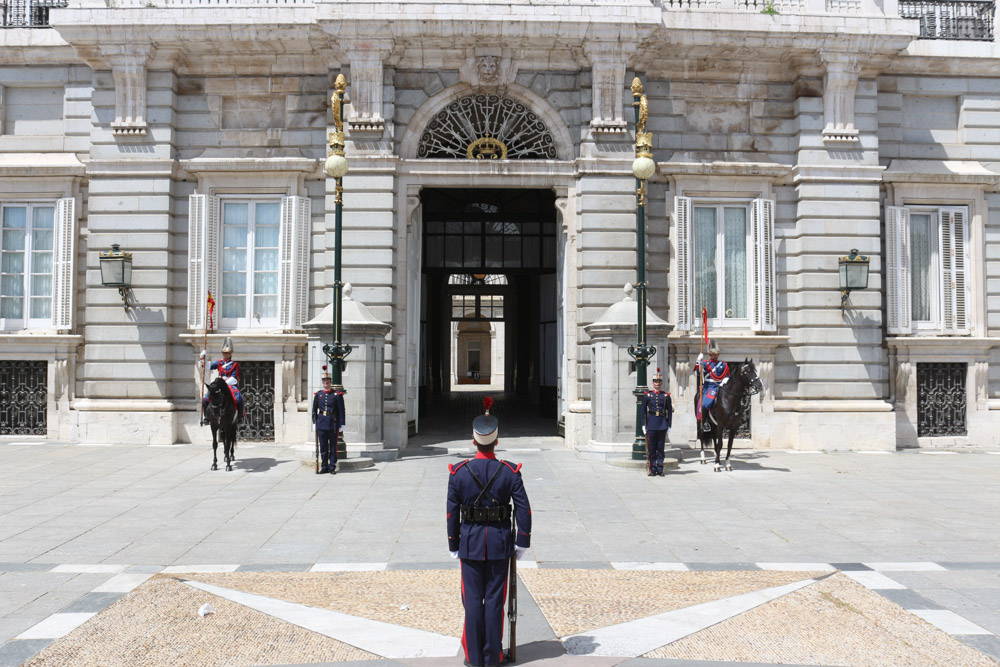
point(701, 356)
point(724, 381)
point(341, 429)
point(203, 354)
point(453, 554)
point(519, 552)
point(644, 430)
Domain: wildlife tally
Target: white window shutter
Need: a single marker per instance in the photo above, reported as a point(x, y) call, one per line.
point(682, 222)
point(64, 253)
point(303, 239)
point(954, 270)
point(203, 259)
point(897, 251)
point(763, 317)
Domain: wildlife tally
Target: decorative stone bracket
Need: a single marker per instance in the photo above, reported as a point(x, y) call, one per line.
point(608, 73)
point(488, 69)
point(128, 68)
point(365, 86)
point(839, 86)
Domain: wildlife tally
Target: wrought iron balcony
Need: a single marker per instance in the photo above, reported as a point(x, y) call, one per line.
point(28, 13)
point(951, 19)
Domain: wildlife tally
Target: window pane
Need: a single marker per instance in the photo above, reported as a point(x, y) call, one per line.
point(265, 260)
point(41, 286)
point(10, 308)
point(705, 240)
point(453, 251)
point(12, 286)
point(435, 251)
point(235, 213)
point(234, 236)
point(736, 262)
point(265, 236)
point(41, 308)
point(234, 260)
point(41, 262)
point(14, 217)
point(472, 257)
point(13, 239)
point(265, 282)
point(512, 251)
point(494, 251)
point(234, 306)
point(13, 262)
point(265, 307)
point(268, 213)
point(233, 283)
point(41, 239)
point(920, 263)
point(43, 217)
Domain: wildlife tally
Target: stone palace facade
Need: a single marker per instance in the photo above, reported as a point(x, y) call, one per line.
point(490, 145)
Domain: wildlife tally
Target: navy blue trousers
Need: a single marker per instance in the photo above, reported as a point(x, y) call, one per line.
point(328, 446)
point(657, 441)
point(484, 591)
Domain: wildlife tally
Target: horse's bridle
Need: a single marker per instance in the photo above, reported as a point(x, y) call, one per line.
point(749, 390)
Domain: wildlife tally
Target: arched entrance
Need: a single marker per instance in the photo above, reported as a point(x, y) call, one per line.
point(489, 258)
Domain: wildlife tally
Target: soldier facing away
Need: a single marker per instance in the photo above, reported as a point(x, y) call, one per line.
point(480, 491)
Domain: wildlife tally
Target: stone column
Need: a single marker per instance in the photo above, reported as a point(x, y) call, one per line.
point(363, 373)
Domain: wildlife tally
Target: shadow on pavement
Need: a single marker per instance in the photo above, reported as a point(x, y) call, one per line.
point(255, 465)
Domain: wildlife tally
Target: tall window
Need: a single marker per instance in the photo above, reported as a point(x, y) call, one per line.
point(250, 232)
point(927, 269)
point(26, 264)
point(721, 237)
point(725, 263)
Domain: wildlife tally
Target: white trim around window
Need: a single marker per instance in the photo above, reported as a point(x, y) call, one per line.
point(252, 253)
point(927, 282)
point(737, 234)
point(37, 247)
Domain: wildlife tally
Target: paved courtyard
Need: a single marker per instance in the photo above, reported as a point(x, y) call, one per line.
point(107, 553)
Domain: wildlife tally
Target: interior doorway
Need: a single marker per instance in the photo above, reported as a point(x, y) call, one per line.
point(489, 318)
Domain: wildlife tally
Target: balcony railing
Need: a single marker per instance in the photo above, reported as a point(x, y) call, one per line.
point(28, 13)
point(951, 19)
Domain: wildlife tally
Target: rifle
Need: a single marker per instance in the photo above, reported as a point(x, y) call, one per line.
point(316, 431)
point(512, 598)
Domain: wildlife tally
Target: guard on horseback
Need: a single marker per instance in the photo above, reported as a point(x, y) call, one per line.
point(229, 370)
point(713, 374)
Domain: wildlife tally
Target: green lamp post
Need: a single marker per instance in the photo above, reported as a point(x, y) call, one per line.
point(335, 168)
point(643, 167)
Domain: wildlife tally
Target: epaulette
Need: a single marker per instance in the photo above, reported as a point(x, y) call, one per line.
point(453, 468)
point(511, 466)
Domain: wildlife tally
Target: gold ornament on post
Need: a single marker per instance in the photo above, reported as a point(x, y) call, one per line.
point(336, 163)
point(643, 166)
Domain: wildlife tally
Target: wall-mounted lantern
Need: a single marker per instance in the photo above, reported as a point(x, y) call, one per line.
point(853, 275)
point(116, 270)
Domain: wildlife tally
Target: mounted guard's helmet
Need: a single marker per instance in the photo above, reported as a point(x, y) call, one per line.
point(713, 346)
point(486, 427)
point(227, 345)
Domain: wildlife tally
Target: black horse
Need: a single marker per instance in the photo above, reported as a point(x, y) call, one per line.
point(732, 401)
point(221, 413)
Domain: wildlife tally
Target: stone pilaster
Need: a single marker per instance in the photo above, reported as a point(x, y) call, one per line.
point(366, 56)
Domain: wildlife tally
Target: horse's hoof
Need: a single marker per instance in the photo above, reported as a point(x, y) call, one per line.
point(215, 467)
point(729, 468)
point(229, 468)
point(718, 468)
point(704, 462)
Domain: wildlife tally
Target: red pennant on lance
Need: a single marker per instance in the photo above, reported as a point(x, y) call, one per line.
point(487, 404)
point(704, 323)
point(211, 311)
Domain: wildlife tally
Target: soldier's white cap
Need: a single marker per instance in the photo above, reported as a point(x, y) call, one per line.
point(227, 345)
point(658, 376)
point(486, 427)
point(325, 375)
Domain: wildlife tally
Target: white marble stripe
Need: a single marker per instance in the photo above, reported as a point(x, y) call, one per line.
point(89, 568)
point(647, 634)
point(797, 567)
point(802, 451)
point(122, 583)
point(875, 452)
point(949, 621)
point(56, 626)
point(652, 566)
point(348, 567)
point(519, 449)
point(874, 580)
point(940, 453)
point(906, 567)
point(527, 565)
point(94, 444)
point(199, 569)
point(994, 453)
point(382, 639)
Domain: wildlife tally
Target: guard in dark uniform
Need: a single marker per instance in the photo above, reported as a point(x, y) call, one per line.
point(657, 417)
point(480, 491)
point(328, 416)
point(715, 374)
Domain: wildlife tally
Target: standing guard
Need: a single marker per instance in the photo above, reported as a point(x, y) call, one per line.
point(657, 418)
point(328, 418)
point(716, 374)
point(230, 371)
point(480, 491)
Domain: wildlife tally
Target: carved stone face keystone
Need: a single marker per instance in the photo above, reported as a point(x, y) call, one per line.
point(488, 69)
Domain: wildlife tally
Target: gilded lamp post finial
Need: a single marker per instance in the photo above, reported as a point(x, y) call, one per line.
point(337, 137)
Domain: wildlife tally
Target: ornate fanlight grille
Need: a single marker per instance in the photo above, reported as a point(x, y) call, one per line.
point(487, 127)
point(23, 397)
point(257, 385)
point(941, 400)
